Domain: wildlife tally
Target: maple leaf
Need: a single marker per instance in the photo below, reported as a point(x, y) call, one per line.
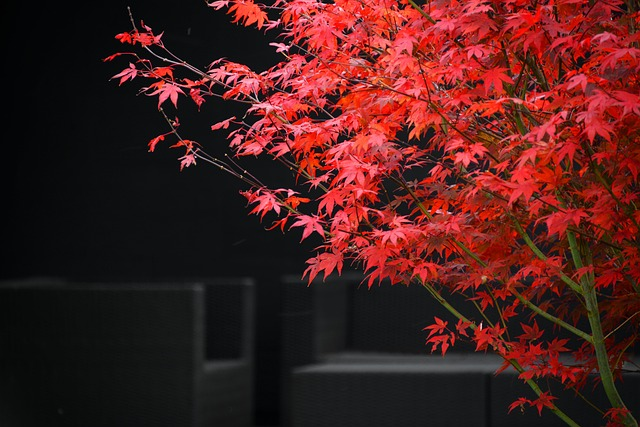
point(145, 38)
point(266, 200)
point(441, 341)
point(127, 74)
point(187, 143)
point(616, 56)
point(477, 51)
point(531, 333)
point(558, 222)
point(124, 38)
point(437, 335)
point(608, 278)
point(311, 224)
point(223, 124)
point(167, 91)
point(616, 416)
point(325, 262)
point(152, 144)
point(494, 78)
point(519, 403)
point(628, 101)
point(557, 346)
point(187, 160)
point(488, 337)
point(196, 96)
point(595, 125)
point(162, 72)
point(426, 270)
point(462, 326)
point(544, 400)
point(526, 189)
point(219, 4)
point(437, 328)
point(578, 80)
point(246, 12)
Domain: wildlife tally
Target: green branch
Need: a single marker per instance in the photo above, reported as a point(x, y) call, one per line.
point(593, 314)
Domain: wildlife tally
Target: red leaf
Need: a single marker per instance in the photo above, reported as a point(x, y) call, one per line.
point(437, 328)
point(152, 144)
point(246, 12)
point(167, 91)
point(545, 400)
point(326, 263)
point(223, 124)
point(187, 160)
point(519, 403)
point(531, 333)
point(494, 78)
point(127, 74)
point(311, 224)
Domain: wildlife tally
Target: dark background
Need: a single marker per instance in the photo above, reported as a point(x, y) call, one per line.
point(84, 200)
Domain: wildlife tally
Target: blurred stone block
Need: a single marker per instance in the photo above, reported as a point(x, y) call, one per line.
point(126, 354)
point(364, 390)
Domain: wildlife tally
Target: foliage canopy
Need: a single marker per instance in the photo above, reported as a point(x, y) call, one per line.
point(484, 148)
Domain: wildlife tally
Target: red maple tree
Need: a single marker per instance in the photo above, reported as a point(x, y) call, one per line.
point(483, 148)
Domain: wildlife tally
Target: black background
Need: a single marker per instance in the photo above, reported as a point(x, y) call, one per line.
point(84, 200)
